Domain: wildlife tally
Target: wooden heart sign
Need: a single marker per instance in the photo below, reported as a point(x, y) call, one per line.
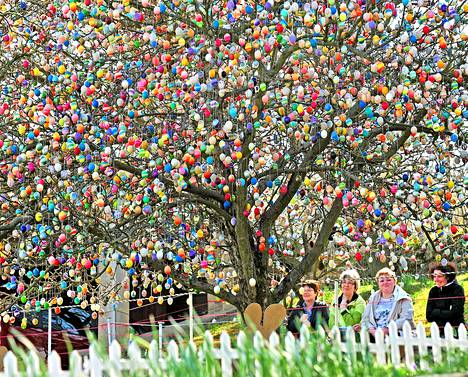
point(272, 318)
point(3, 351)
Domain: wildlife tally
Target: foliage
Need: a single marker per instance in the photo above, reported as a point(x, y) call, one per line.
point(319, 357)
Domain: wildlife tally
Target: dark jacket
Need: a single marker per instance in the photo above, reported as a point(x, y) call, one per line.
point(446, 304)
point(319, 314)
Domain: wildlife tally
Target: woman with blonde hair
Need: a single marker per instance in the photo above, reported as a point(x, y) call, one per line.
point(389, 303)
point(349, 306)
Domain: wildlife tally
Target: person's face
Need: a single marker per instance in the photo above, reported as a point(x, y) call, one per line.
point(308, 293)
point(348, 286)
point(386, 284)
point(439, 278)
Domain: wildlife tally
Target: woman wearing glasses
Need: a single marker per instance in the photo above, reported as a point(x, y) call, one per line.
point(350, 304)
point(389, 303)
point(447, 299)
point(309, 311)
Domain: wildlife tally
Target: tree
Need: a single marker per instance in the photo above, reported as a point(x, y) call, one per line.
point(221, 145)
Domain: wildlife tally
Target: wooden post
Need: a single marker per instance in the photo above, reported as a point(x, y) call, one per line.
point(190, 303)
point(336, 303)
point(160, 337)
point(109, 337)
point(49, 334)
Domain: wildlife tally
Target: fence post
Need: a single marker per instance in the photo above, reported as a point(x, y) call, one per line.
point(11, 365)
point(114, 320)
point(160, 337)
point(336, 304)
point(49, 333)
point(109, 337)
point(191, 315)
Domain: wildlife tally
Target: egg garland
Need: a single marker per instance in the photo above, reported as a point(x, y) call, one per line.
point(120, 134)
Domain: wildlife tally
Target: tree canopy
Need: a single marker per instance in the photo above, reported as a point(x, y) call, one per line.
point(227, 146)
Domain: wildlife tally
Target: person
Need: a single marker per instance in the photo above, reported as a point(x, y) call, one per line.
point(309, 311)
point(389, 303)
point(350, 305)
point(446, 300)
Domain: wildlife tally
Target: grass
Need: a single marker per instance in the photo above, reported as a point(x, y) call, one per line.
point(312, 356)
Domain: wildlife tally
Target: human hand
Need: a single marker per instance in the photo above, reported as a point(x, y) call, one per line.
point(357, 327)
point(305, 320)
point(385, 330)
point(372, 331)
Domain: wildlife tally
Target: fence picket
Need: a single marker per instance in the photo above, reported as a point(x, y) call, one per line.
point(173, 350)
point(304, 337)
point(351, 344)
point(394, 343)
point(408, 342)
point(226, 354)
point(422, 346)
point(241, 340)
point(34, 365)
point(448, 332)
point(335, 336)
point(76, 365)
point(462, 337)
point(10, 363)
point(95, 364)
point(54, 365)
point(380, 346)
point(290, 344)
point(258, 340)
point(115, 354)
point(274, 340)
point(134, 353)
point(436, 343)
point(155, 358)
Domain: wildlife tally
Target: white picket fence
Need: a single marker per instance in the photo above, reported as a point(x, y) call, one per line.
point(411, 348)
